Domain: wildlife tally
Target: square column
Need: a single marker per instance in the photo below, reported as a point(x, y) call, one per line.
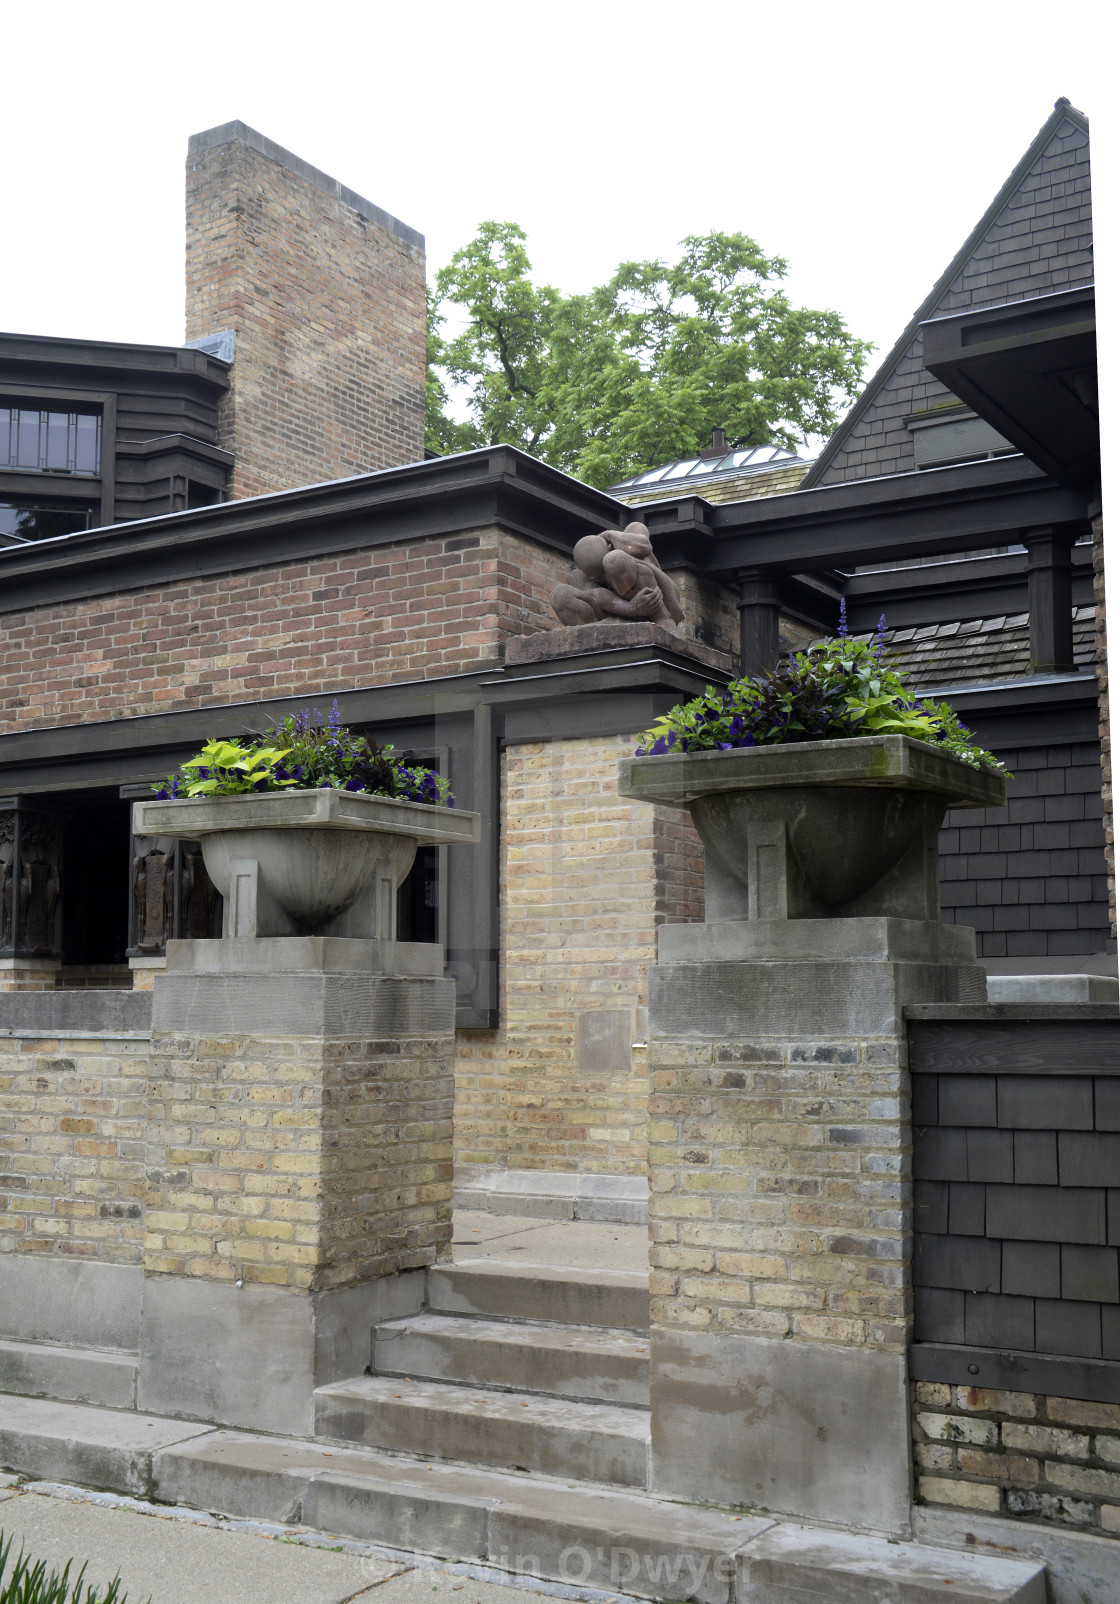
point(299, 1167)
point(780, 1208)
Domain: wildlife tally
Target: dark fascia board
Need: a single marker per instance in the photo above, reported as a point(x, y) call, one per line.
point(447, 495)
point(1034, 693)
point(958, 508)
point(999, 1370)
point(239, 133)
point(120, 750)
point(1062, 111)
point(948, 592)
point(185, 444)
point(90, 357)
point(1006, 362)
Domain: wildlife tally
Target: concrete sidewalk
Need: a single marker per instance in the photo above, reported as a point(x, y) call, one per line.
point(572, 1244)
point(174, 1556)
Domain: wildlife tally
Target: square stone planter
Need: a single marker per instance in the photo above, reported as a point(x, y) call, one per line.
point(308, 863)
point(818, 829)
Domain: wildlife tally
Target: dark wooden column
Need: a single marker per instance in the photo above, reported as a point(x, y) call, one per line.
point(1049, 586)
point(758, 621)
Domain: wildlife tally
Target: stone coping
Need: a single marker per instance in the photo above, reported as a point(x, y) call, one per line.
point(553, 1195)
point(113, 1011)
point(894, 761)
point(324, 808)
point(576, 640)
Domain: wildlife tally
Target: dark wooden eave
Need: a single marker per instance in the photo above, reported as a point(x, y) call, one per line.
point(1029, 368)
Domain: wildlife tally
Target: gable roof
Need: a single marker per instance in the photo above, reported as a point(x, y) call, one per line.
point(1036, 236)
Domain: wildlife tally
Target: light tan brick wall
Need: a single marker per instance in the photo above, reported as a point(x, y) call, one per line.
point(72, 1116)
point(328, 307)
point(1019, 1454)
point(301, 1163)
point(372, 617)
point(779, 1189)
point(586, 879)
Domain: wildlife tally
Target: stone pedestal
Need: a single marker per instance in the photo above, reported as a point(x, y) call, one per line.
point(28, 974)
point(299, 1167)
point(780, 1208)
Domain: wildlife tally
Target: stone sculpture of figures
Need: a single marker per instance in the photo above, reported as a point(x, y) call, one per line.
point(152, 891)
point(616, 575)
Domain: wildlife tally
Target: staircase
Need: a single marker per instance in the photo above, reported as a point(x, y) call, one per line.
point(508, 1425)
point(512, 1368)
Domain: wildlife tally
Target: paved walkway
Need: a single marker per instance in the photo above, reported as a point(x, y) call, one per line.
point(576, 1244)
point(182, 1557)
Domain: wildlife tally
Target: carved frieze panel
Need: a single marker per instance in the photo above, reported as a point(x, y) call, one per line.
point(173, 898)
point(30, 881)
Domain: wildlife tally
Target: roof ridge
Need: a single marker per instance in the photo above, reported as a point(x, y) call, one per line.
point(1062, 110)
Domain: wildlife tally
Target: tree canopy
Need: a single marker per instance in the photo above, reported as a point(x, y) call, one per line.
point(638, 371)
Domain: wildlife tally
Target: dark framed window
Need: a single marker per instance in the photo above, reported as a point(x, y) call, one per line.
point(50, 440)
point(27, 518)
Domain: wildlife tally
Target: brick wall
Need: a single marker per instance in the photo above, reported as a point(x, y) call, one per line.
point(1019, 1454)
point(1040, 242)
point(72, 1147)
point(777, 1191)
point(402, 612)
point(303, 1164)
point(325, 293)
point(586, 880)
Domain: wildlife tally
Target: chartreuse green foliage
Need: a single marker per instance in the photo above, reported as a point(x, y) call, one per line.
point(307, 752)
point(830, 692)
point(637, 371)
point(25, 1582)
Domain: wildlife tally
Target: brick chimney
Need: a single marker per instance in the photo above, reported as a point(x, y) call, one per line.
point(324, 293)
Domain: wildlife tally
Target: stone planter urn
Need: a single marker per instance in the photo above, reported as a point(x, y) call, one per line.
point(817, 829)
point(307, 863)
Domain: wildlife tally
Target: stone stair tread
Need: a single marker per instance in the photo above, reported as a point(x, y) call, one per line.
point(595, 1364)
point(521, 1431)
point(449, 1396)
point(76, 1442)
point(502, 1290)
point(99, 1376)
point(790, 1561)
point(622, 1540)
point(524, 1333)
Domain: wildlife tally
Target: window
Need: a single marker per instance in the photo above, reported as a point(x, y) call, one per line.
point(22, 518)
point(34, 440)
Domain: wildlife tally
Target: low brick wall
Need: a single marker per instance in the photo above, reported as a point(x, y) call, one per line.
point(72, 1115)
point(1019, 1454)
point(307, 1164)
point(778, 1205)
point(586, 879)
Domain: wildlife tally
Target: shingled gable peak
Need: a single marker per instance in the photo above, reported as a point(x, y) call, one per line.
point(1010, 255)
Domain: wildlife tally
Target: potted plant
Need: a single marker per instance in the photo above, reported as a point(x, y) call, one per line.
point(817, 790)
point(309, 830)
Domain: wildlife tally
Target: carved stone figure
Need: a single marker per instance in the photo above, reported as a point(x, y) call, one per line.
point(616, 575)
point(30, 908)
point(153, 890)
point(7, 872)
point(200, 906)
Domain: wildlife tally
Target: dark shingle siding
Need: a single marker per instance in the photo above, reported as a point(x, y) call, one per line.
point(1040, 242)
point(1030, 877)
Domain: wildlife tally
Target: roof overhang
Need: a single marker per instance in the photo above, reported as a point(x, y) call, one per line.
point(1029, 368)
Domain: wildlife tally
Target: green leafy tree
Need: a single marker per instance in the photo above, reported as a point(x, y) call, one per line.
point(637, 371)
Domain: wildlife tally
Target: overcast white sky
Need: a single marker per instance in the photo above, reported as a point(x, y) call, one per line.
point(859, 141)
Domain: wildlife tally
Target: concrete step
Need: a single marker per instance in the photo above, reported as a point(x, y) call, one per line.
point(594, 1537)
point(513, 1431)
point(495, 1289)
point(107, 1448)
point(76, 1375)
point(790, 1564)
point(593, 1364)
